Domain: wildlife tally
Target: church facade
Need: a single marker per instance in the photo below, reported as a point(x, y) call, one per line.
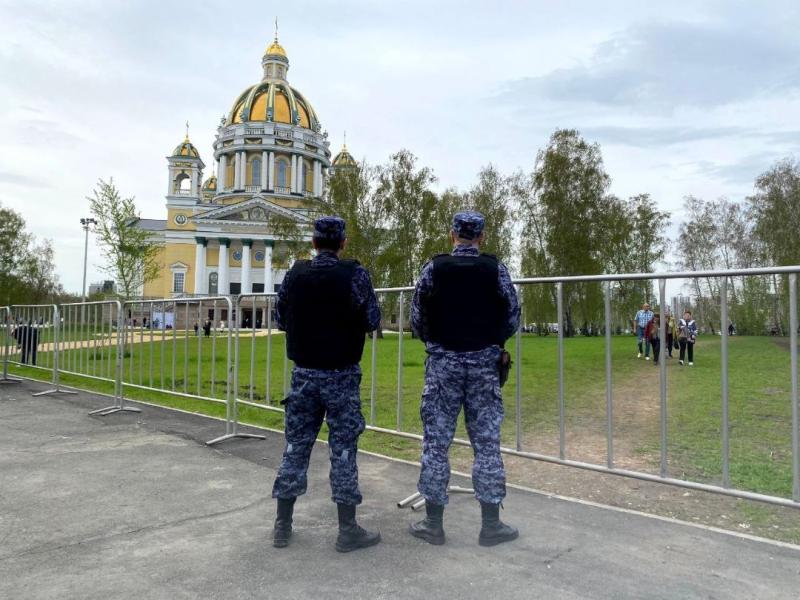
point(227, 234)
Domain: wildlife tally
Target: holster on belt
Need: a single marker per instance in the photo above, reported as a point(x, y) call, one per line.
point(504, 366)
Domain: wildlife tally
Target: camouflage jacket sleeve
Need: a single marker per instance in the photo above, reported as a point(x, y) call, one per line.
point(509, 293)
point(421, 292)
point(365, 299)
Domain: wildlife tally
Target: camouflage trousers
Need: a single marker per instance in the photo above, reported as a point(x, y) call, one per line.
point(319, 395)
point(453, 380)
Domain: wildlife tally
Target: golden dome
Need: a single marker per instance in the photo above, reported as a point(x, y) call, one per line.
point(210, 184)
point(186, 148)
point(275, 102)
point(344, 158)
point(275, 49)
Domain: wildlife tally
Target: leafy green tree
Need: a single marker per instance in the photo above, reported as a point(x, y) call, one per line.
point(27, 270)
point(566, 201)
point(776, 211)
point(351, 196)
point(491, 197)
point(131, 254)
point(409, 206)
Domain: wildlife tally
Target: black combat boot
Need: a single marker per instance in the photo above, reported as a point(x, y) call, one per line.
point(351, 535)
point(283, 523)
point(430, 528)
point(494, 531)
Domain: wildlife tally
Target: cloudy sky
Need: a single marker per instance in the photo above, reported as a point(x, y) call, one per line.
point(697, 98)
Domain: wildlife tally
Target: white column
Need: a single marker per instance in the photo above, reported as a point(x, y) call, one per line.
point(200, 266)
point(169, 183)
point(300, 176)
point(268, 286)
point(247, 287)
point(195, 186)
point(293, 182)
point(222, 173)
point(271, 172)
point(237, 172)
point(243, 167)
point(223, 281)
point(317, 178)
point(264, 166)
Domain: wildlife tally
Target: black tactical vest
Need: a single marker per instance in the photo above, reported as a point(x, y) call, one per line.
point(323, 329)
point(465, 311)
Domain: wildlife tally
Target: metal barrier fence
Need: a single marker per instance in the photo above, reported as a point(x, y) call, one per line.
point(92, 344)
point(158, 330)
point(663, 477)
point(5, 313)
point(37, 327)
point(156, 336)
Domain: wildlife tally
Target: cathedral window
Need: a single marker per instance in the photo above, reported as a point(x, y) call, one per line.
point(213, 284)
point(178, 280)
point(282, 177)
point(256, 177)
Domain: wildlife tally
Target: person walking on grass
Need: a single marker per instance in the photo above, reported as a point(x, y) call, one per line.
point(672, 331)
point(641, 320)
point(687, 336)
point(464, 308)
point(325, 306)
point(653, 335)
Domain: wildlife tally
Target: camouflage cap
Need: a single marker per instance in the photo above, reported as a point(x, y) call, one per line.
point(468, 224)
point(329, 228)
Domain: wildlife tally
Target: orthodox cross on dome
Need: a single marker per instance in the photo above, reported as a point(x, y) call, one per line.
point(344, 145)
point(276, 28)
point(187, 132)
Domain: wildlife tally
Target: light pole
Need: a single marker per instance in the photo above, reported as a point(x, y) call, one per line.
point(86, 223)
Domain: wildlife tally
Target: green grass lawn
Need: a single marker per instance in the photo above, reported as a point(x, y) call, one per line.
point(760, 406)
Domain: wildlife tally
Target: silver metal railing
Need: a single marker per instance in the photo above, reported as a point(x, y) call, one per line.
point(93, 346)
point(244, 338)
point(5, 323)
point(174, 329)
point(33, 327)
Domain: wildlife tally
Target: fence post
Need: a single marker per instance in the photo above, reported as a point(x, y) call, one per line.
point(795, 403)
point(561, 409)
point(232, 396)
point(400, 365)
point(6, 311)
point(119, 396)
point(56, 352)
point(662, 283)
point(609, 388)
point(726, 479)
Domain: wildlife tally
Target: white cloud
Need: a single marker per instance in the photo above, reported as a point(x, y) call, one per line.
point(699, 103)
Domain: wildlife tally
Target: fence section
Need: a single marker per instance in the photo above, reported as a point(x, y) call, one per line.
point(184, 347)
point(7, 329)
point(35, 331)
point(229, 351)
point(92, 344)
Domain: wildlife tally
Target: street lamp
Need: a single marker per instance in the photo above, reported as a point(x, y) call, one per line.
point(86, 223)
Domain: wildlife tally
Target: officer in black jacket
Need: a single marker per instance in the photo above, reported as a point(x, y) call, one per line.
point(326, 306)
point(464, 309)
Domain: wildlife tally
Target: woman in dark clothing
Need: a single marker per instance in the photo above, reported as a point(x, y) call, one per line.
point(653, 334)
point(687, 336)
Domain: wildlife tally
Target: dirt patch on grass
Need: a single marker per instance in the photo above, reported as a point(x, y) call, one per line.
point(636, 425)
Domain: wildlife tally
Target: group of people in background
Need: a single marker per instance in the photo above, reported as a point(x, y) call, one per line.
point(681, 334)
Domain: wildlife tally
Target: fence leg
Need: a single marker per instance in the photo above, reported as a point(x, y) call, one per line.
point(56, 351)
point(232, 428)
point(5, 378)
point(119, 398)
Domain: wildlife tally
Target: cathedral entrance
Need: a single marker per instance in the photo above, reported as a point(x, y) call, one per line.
point(249, 320)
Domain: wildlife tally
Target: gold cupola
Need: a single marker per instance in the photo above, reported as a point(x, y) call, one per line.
point(273, 99)
point(186, 148)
